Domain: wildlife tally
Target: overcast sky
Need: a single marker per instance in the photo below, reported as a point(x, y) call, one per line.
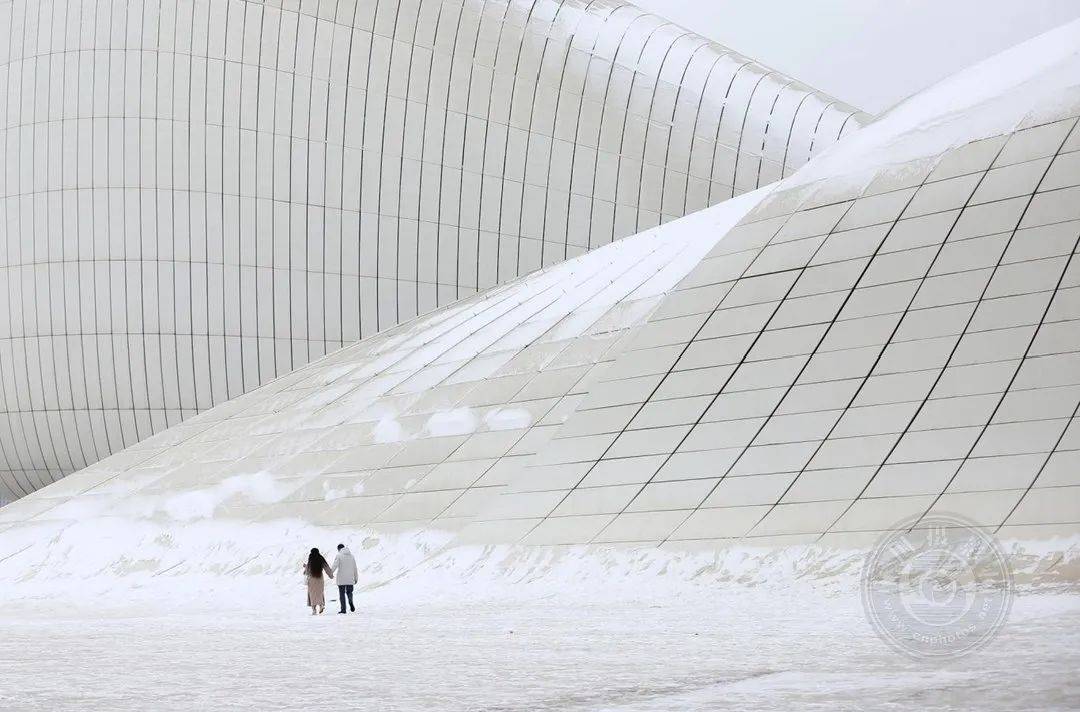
point(869, 53)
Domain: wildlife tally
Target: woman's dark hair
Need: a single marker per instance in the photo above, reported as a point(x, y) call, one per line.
point(315, 564)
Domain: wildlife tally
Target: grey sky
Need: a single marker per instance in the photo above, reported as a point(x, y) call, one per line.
point(869, 53)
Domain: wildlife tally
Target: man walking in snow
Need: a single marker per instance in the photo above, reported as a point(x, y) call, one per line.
point(345, 571)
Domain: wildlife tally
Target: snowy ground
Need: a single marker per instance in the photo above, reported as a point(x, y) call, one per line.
point(211, 615)
point(734, 647)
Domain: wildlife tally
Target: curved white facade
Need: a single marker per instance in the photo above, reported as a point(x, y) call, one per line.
point(887, 337)
point(200, 196)
point(859, 351)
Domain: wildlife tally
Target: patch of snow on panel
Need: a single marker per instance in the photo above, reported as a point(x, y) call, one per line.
point(459, 421)
point(258, 487)
point(388, 430)
point(507, 418)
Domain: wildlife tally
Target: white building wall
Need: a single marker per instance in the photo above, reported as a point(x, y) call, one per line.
point(879, 340)
point(855, 354)
point(197, 197)
point(881, 346)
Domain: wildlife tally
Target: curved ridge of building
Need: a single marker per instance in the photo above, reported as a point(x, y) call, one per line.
point(198, 197)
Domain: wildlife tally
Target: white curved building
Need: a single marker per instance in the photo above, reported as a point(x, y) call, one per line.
point(889, 334)
point(198, 197)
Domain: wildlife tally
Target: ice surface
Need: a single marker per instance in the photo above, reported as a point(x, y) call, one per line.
point(729, 650)
point(117, 614)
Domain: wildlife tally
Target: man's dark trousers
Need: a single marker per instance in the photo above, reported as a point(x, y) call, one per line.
point(343, 592)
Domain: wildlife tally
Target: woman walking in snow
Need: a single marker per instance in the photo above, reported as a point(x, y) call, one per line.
point(314, 568)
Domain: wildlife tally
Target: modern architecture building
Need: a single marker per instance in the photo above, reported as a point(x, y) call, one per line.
point(889, 333)
point(198, 197)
